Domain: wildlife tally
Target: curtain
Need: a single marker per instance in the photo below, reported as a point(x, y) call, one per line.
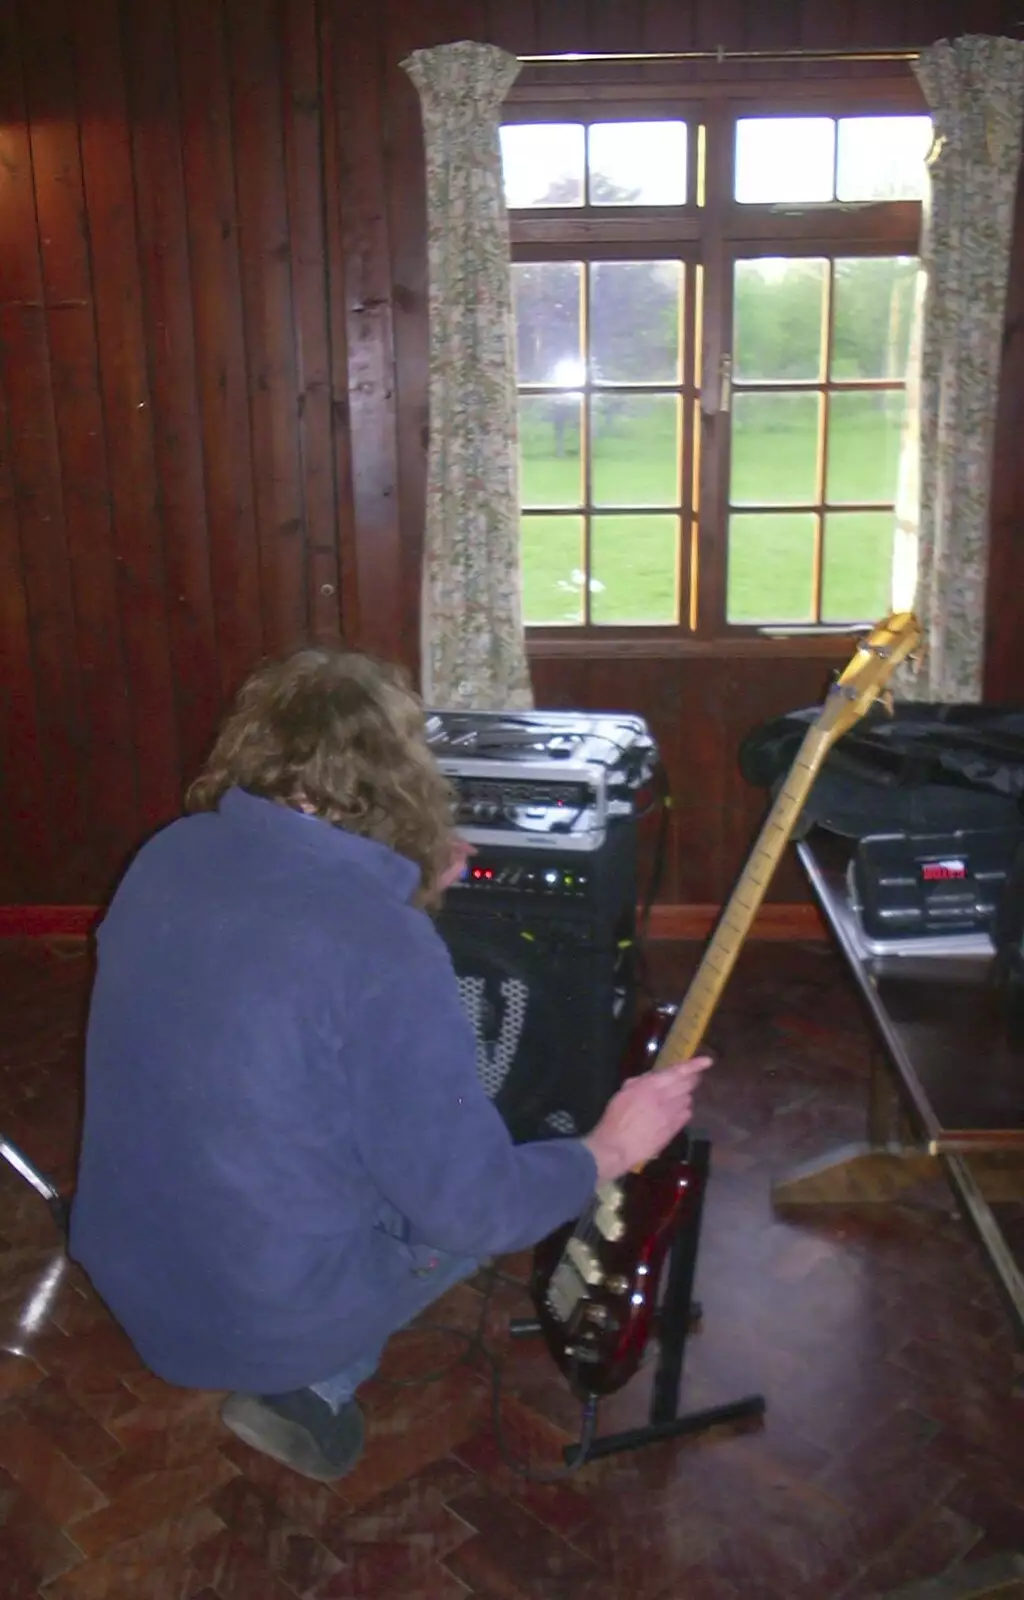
point(473, 643)
point(975, 91)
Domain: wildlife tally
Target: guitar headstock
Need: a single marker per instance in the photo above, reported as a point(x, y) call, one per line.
point(861, 683)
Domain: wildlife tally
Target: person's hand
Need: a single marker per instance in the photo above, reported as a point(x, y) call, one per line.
point(460, 854)
point(644, 1117)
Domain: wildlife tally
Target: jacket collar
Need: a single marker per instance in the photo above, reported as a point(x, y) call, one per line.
point(294, 830)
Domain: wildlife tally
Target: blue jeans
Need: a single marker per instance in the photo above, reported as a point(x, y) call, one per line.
point(431, 1274)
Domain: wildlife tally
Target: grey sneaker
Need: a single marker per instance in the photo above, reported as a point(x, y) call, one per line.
point(300, 1430)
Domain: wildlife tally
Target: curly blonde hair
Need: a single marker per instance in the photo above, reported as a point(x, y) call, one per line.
point(344, 736)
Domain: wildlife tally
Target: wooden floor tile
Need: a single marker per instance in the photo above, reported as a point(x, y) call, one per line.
point(158, 1565)
point(78, 1436)
point(59, 1489)
point(151, 1500)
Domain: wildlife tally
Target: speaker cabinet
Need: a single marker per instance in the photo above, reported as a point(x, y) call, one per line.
point(546, 974)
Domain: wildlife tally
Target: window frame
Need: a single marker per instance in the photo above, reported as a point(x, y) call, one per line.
point(826, 385)
point(710, 236)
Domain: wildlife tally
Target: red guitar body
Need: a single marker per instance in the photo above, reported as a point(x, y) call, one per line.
point(595, 1282)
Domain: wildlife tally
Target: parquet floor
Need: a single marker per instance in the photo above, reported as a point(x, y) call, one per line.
point(891, 1448)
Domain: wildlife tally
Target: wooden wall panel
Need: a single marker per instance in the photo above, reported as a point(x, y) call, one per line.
point(699, 710)
point(165, 278)
point(719, 25)
point(51, 99)
point(559, 28)
point(59, 800)
point(340, 531)
point(222, 406)
point(268, 320)
point(357, 125)
point(128, 406)
point(213, 393)
point(324, 498)
point(826, 27)
point(515, 25)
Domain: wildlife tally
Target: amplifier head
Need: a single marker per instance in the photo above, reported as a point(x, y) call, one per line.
point(545, 780)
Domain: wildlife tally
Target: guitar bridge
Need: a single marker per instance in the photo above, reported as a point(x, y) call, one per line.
point(585, 1261)
point(607, 1216)
point(608, 1223)
point(565, 1291)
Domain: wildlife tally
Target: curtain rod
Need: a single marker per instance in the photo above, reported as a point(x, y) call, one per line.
point(574, 57)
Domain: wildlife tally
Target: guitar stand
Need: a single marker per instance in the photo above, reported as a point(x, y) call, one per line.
point(19, 1161)
point(676, 1314)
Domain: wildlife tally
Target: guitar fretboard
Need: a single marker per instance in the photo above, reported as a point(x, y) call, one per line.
point(684, 1037)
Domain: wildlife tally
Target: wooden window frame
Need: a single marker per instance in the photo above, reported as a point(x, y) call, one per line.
point(708, 236)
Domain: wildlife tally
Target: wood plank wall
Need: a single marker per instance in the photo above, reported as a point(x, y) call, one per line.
point(213, 392)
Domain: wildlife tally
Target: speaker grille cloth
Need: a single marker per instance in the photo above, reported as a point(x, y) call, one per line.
point(496, 1049)
point(561, 1122)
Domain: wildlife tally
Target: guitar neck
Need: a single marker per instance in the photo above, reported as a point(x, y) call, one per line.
point(683, 1040)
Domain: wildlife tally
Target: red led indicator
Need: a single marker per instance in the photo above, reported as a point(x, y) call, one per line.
point(940, 871)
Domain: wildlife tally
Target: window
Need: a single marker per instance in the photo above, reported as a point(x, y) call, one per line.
point(602, 393)
point(819, 357)
point(713, 316)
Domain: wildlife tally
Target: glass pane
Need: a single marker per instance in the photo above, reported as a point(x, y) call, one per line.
point(864, 445)
point(784, 159)
point(771, 568)
point(635, 322)
point(874, 310)
point(882, 158)
point(634, 561)
point(546, 298)
point(856, 574)
point(774, 449)
point(549, 449)
point(637, 164)
point(779, 318)
point(634, 448)
point(543, 163)
point(552, 569)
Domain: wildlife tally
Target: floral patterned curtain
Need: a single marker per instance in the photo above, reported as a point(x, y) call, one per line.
point(474, 648)
point(975, 90)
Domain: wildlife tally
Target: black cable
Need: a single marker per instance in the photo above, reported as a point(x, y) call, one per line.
point(476, 1346)
point(662, 798)
point(660, 852)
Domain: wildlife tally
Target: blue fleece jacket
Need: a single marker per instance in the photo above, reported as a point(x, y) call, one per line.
point(276, 1055)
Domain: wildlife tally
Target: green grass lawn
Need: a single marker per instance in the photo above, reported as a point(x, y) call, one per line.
point(634, 556)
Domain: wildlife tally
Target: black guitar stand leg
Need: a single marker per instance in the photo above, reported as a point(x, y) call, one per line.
point(675, 1316)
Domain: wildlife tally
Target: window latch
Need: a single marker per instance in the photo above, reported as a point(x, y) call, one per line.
point(725, 383)
point(713, 401)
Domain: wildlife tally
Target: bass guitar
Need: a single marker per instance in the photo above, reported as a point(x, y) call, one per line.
point(595, 1283)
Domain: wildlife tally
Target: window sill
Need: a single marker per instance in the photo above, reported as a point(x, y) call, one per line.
point(822, 645)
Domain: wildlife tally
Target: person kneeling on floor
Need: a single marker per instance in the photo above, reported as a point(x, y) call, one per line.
point(287, 1151)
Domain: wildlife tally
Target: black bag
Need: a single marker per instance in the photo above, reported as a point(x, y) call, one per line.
point(927, 768)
